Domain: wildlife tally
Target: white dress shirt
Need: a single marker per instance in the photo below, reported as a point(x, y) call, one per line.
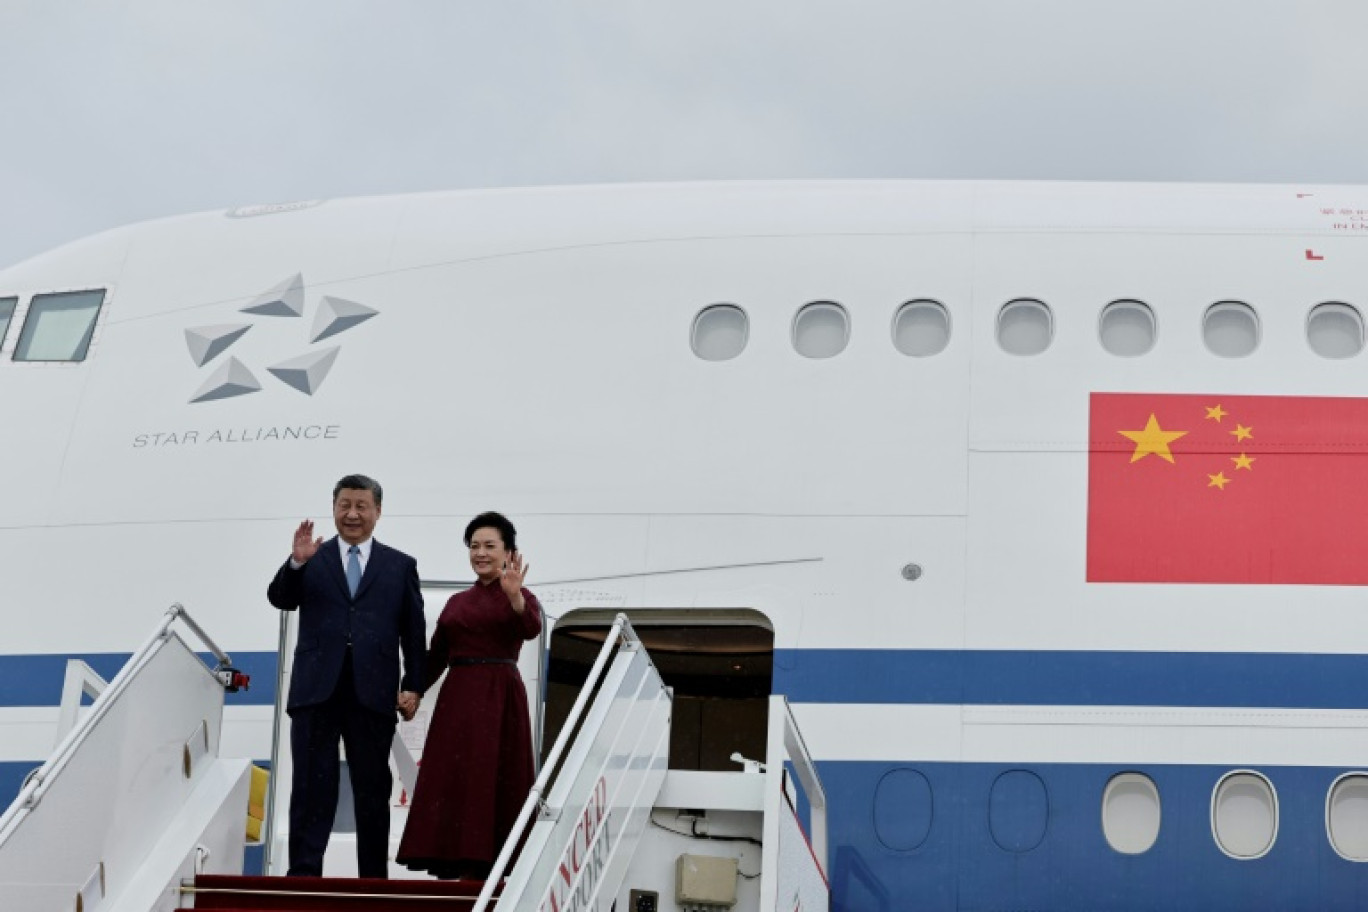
point(364, 556)
point(344, 550)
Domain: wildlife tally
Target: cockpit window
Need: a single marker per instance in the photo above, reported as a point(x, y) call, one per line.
point(59, 326)
point(6, 314)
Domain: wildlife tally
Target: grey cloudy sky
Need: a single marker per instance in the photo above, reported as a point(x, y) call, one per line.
point(111, 112)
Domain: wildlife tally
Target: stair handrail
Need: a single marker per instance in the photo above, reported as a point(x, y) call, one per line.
point(36, 785)
point(621, 629)
point(785, 742)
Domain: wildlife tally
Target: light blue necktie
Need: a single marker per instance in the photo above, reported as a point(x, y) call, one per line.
point(353, 569)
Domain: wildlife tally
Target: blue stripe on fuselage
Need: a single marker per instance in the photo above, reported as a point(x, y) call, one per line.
point(970, 676)
point(934, 849)
point(956, 864)
point(1065, 678)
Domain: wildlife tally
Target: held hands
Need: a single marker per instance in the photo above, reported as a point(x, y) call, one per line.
point(511, 579)
point(305, 545)
point(408, 704)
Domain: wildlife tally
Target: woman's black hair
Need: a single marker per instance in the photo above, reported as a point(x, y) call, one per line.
point(492, 520)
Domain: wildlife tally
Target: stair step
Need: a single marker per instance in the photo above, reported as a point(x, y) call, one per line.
point(227, 893)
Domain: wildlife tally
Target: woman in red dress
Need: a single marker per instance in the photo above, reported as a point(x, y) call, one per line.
point(477, 762)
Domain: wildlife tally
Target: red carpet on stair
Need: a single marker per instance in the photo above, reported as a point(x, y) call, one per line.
point(334, 894)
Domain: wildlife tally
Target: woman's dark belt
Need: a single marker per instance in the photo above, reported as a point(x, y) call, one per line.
point(452, 663)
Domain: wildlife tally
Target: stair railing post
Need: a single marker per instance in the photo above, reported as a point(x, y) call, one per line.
point(281, 645)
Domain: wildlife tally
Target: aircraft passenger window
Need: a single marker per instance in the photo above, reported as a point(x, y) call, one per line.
point(719, 332)
point(1335, 330)
point(1127, 328)
point(6, 314)
point(59, 326)
point(1244, 815)
point(904, 808)
point(1230, 329)
point(921, 328)
point(1346, 816)
point(1018, 811)
point(721, 672)
point(1131, 813)
point(1025, 327)
point(821, 330)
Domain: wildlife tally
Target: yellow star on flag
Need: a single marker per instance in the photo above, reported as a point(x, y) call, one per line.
point(1216, 413)
point(1242, 433)
point(1243, 462)
point(1153, 439)
point(1218, 481)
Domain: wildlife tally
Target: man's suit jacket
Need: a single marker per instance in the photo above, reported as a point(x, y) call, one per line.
point(386, 616)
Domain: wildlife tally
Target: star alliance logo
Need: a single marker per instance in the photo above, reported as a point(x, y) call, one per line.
point(304, 373)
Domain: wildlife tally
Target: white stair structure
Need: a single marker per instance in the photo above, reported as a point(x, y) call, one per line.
point(599, 804)
point(136, 797)
point(592, 843)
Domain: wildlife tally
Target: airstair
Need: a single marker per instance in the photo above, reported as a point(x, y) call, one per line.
point(136, 798)
point(606, 826)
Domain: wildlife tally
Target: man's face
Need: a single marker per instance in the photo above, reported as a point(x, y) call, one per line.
point(355, 513)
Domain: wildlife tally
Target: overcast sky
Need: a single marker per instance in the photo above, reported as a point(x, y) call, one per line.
point(112, 112)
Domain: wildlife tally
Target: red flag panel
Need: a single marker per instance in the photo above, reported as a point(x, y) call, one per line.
point(1227, 489)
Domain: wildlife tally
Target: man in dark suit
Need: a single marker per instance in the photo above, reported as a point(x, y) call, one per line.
point(359, 606)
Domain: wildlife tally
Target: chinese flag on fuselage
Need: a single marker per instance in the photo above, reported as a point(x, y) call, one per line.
point(1227, 489)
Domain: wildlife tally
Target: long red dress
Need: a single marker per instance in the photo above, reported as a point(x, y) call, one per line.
point(477, 762)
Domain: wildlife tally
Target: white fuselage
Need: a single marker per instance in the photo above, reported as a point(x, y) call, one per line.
point(530, 352)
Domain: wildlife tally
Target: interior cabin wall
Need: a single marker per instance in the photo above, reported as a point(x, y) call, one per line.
point(721, 677)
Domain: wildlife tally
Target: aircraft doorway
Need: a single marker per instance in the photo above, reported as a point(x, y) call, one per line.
point(720, 664)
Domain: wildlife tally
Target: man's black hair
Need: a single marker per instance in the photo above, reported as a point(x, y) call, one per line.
point(359, 483)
